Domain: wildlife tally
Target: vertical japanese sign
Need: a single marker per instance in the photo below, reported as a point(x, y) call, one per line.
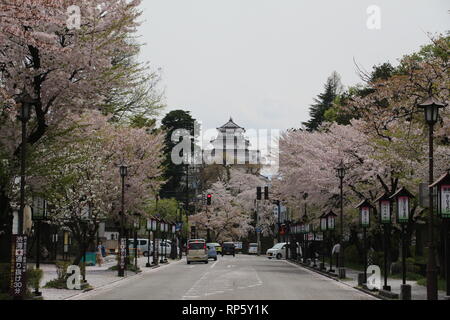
point(365, 216)
point(403, 209)
point(445, 201)
point(385, 212)
point(123, 253)
point(18, 284)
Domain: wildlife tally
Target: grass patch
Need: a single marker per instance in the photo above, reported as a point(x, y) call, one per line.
point(130, 267)
point(441, 283)
point(409, 276)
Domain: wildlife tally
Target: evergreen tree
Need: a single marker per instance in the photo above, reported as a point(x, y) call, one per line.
point(323, 102)
point(177, 119)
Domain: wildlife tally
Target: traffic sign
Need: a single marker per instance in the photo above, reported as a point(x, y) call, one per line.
point(258, 230)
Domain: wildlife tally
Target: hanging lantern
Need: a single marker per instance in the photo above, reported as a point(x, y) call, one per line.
point(331, 220)
point(364, 213)
point(384, 202)
point(323, 222)
point(39, 210)
point(443, 193)
point(402, 198)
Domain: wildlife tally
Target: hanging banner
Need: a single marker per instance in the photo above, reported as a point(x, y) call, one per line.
point(403, 209)
point(18, 284)
point(445, 201)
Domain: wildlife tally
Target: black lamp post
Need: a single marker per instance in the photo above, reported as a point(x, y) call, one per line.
point(39, 213)
point(331, 226)
point(123, 170)
point(431, 108)
point(402, 198)
point(151, 227)
point(443, 193)
point(385, 218)
point(162, 226)
point(340, 172)
point(155, 224)
point(301, 231)
point(136, 226)
point(323, 229)
point(364, 219)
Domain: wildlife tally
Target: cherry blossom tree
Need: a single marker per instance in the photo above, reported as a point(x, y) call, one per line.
point(83, 186)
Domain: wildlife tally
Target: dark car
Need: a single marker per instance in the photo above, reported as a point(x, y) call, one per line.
point(228, 248)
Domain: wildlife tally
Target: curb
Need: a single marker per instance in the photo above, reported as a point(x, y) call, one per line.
point(335, 278)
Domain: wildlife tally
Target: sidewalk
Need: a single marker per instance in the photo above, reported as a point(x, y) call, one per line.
point(418, 292)
point(96, 276)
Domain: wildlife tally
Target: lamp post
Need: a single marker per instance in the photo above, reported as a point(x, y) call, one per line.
point(123, 170)
point(323, 228)
point(331, 226)
point(385, 218)
point(173, 247)
point(162, 228)
point(431, 108)
point(364, 219)
point(149, 230)
point(443, 192)
point(402, 198)
point(136, 226)
point(155, 222)
point(340, 172)
point(39, 213)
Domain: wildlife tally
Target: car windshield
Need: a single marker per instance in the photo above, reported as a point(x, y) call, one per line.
point(196, 245)
point(278, 246)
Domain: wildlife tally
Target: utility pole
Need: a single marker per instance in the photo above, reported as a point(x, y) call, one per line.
point(258, 234)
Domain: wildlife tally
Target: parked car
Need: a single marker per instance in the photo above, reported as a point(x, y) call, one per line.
point(228, 248)
point(277, 251)
point(196, 251)
point(163, 247)
point(217, 246)
point(253, 248)
point(212, 253)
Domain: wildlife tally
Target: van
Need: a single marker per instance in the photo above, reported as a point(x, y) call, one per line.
point(162, 247)
point(196, 251)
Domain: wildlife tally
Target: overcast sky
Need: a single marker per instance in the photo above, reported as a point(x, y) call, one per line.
point(263, 61)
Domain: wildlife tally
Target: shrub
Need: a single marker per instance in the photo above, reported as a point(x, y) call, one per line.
point(351, 255)
point(34, 277)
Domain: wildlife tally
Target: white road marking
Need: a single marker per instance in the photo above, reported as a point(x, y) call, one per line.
point(214, 264)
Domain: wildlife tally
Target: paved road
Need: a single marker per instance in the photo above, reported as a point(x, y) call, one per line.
point(241, 278)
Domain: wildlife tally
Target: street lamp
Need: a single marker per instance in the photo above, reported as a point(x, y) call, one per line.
point(364, 210)
point(323, 229)
point(385, 219)
point(443, 192)
point(402, 198)
point(162, 228)
point(431, 108)
point(340, 172)
point(331, 226)
point(123, 170)
point(39, 213)
point(136, 226)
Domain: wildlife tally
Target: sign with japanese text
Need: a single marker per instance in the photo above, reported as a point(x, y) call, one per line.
point(445, 201)
point(365, 216)
point(18, 284)
point(403, 209)
point(123, 252)
point(385, 211)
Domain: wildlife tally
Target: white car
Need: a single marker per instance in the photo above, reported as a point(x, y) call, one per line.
point(277, 251)
point(253, 248)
